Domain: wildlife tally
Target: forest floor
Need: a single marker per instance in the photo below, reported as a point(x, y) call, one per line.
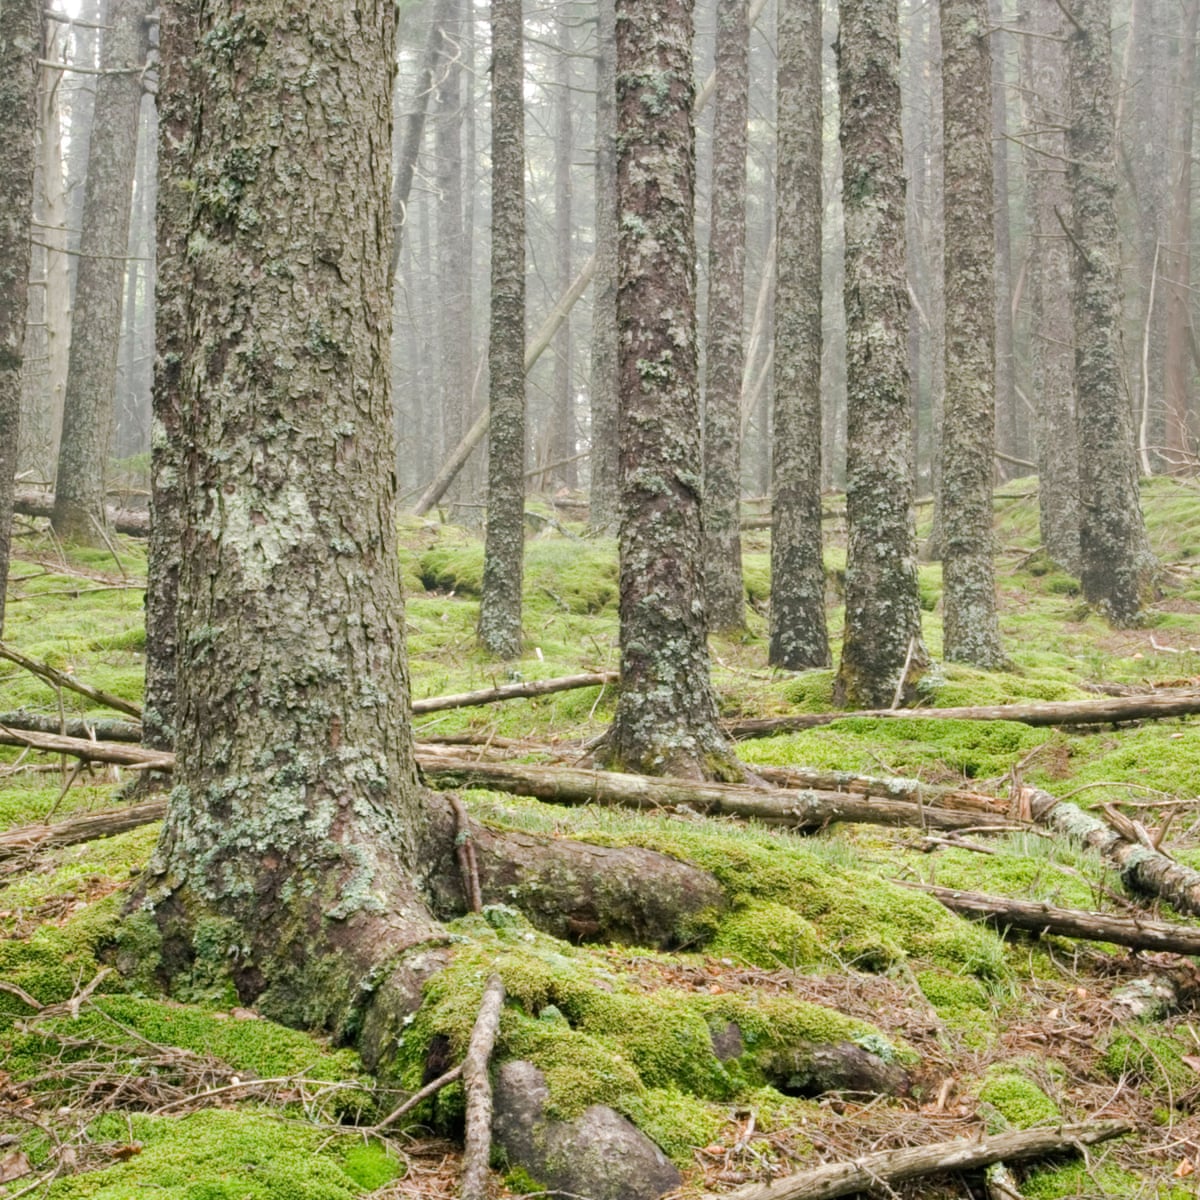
point(111, 1090)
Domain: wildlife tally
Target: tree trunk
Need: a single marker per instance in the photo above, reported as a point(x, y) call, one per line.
point(562, 424)
point(1118, 565)
point(1052, 333)
point(292, 834)
point(666, 718)
point(1177, 261)
point(96, 326)
point(20, 43)
point(724, 592)
point(604, 505)
point(504, 547)
point(882, 652)
point(972, 634)
point(798, 635)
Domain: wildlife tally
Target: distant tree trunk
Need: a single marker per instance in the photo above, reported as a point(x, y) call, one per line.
point(604, 505)
point(504, 546)
point(20, 45)
point(1177, 261)
point(666, 718)
point(562, 425)
point(972, 634)
point(882, 651)
point(798, 635)
point(1007, 423)
point(178, 92)
point(96, 326)
point(1118, 565)
point(724, 590)
point(78, 101)
point(1052, 334)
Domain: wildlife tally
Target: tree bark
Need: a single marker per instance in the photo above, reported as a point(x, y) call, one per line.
point(1118, 565)
point(96, 326)
point(666, 718)
point(20, 43)
point(724, 592)
point(798, 637)
point(477, 1085)
point(882, 651)
point(972, 632)
point(562, 439)
point(504, 545)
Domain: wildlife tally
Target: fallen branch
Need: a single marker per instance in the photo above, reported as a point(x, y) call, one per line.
point(1143, 869)
point(41, 504)
point(59, 679)
point(871, 785)
point(85, 828)
point(866, 1173)
point(122, 753)
point(1068, 922)
point(477, 1140)
point(514, 691)
point(807, 809)
point(1155, 707)
point(106, 730)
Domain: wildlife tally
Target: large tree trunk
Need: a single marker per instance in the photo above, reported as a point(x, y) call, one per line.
point(20, 42)
point(504, 547)
point(972, 633)
point(1052, 334)
point(666, 719)
point(882, 652)
point(724, 592)
point(96, 326)
point(798, 635)
point(292, 834)
point(1118, 564)
point(603, 509)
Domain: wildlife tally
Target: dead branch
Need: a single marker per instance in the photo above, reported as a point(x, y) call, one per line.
point(416, 1098)
point(867, 1172)
point(59, 679)
point(121, 753)
point(106, 730)
point(80, 829)
point(477, 1141)
point(465, 852)
point(1068, 922)
point(1143, 869)
point(891, 789)
point(1156, 707)
point(513, 691)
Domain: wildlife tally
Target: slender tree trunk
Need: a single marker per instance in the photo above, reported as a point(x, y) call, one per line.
point(724, 590)
point(91, 378)
point(20, 44)
point(562, 425)
point(972, 633)
point(666, 719)
point(1177, 261)
point(603, 388)
point(798, 635)
point(1052, 333)
point(1118, 565)
point(882, 651)
point(504, 548)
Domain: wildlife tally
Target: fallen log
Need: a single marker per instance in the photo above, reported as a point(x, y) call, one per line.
point(59, 679)
point(1143, 869)
point(477, 1139)
point(30, 503)
point(105, 730)
point(122, 753)
point(883, 1167)
point(85, 828)
point(872, 785)
point(1069, 922)
point(797, 809)
point(514, 691)
point(1156, 707)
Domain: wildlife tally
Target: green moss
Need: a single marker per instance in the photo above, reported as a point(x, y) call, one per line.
point(1017, 1099)
point(676, 1121)
point(219, 1155)
point(768, 935)
point(1091, 1178)
point(1151, 1058)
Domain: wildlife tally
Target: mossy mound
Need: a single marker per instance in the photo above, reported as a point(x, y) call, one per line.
point(220, 1155)
point(1016, 1099)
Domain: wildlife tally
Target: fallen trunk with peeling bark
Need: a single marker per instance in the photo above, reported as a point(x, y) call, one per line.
point(103, 729)
point(893, 789)
point(84, 828)
point(514, 691)
point(31, 503)
point(1154, 707)
point(1067, 922)
point(873, 1171)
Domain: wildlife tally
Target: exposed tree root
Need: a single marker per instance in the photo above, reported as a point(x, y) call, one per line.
point(885, 1167)
point(477, 1141)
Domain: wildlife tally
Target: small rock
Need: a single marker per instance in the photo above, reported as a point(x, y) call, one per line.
point(599, 1155)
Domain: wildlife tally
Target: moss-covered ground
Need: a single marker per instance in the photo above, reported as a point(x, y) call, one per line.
point(192, 1097)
